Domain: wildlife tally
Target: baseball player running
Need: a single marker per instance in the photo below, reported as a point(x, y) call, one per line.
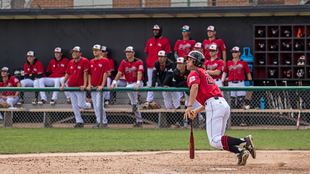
point(110, 70)
point(184, 46)
point(180, 75)
point(133, 70)
point(57, 70)
point(97, 77)
point(33, 70)
point(211, 32)
point(8, 98)
point(76, 74)
point(215, 66)
point(206, 92)
point(237, 69)
point(153, 46)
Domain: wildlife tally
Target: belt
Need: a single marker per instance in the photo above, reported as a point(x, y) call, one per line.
point(131, 82)
point(236, 81)
point(215, 98)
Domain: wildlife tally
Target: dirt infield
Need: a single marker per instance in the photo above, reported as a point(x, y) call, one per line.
point(168, 162)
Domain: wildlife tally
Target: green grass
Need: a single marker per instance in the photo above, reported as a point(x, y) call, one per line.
point(26, 140)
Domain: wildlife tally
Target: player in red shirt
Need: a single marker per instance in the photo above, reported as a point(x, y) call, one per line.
point(8, 97)
point(153, 46)
point(110, 70)
point(77, 73)
point(33, 70)
point(212, 39)
point(57, 70)
point(237, 69)
point(184, 46)
point(207, 93)
point(215, 66)
point(133, 70)
point(97, 77)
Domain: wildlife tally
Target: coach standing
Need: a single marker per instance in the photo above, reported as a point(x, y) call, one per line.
point(153, 46)
point(77, 72)
point(212, 39)
point(97, 77)
point(133, 70)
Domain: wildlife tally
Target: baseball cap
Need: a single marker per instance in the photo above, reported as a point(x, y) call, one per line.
point(96, 47)
point(213, 47)
point(181, 60)
point(198, 45)
point(104, 48)
point(210, 28)
point(76, 48)
point(235, 48)
point(5, 69)
point(57, 50)
point(162, 53)
point(185, 28)
point(129, 49)
point(30, 53)
point(156, 27)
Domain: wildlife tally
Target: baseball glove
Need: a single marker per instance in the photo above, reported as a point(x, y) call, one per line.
point(154, 105)
point(5, 105)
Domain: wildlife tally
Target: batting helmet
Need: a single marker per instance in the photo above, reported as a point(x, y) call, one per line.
point(301, 60)
point(199, 58)
point(287, 46)
point(288, 73)
point(262, 46)
point(273, 47)
point(275, 60)
point(273, 73)
point(261, 60)
point(288, 60)
point(300, 73)
point(261, 32)
point(287, 32)
point(299, 46)
point(274, 33)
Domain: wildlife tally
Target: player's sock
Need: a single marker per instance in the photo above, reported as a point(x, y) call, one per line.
point(231, 141)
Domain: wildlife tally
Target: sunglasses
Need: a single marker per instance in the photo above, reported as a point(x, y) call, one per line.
point(235, 51)
point(96, 49)
point(213, 50)
point(184, 31)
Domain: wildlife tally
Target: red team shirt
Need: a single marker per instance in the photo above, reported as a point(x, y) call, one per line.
point(130, 69)
point(76, 71)
point(36, 68)
point(207, 86)
point(57, 68)
point(184, 47)
point(110, 67)
point(220, 44)
point(97, 69)
point(237, 71)
point(12, 82)
point(153, 46)
point(214, 65)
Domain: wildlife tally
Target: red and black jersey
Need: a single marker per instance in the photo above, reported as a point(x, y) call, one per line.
point(130, 69)
point(220, 44)
point(12, 82)
point(57, 68)
point(153, 46)
point(207, 86)
point(184, 47)
point(217, 64)
point(35, 68)
point(237, 71)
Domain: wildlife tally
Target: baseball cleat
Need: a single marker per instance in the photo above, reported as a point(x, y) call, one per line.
point(41, 102)
point(138, 124)
point(52, 102)
point(242, 157)
point(35, 102)
point(79, 125)
point(250, 146)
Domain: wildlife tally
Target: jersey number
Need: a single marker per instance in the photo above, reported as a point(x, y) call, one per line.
point(209, 81)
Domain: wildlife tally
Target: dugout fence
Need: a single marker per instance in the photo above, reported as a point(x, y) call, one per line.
point(261, 107)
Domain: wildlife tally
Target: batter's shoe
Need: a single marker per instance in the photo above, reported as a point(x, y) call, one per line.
point(79, 125)
point(53, 102)
point(96, 125)
point(41, 102)
point(250, 146)
point(20, 102)
point(35, 102)
point(242, 157)
point(137, 124)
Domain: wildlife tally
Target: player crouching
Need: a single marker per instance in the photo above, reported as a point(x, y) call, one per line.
point(207, 93)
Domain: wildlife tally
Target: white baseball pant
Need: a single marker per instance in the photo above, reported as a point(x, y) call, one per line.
point(195, 105)
point(10, 100)
point(46, 81)
point(67, 93)
point(109, 81)
point(121, 83)
point(78, 101)
point(96, 103)
point(217, 114)
point(30, 83)
point(170, 97)
point(237, 93)
point(150, 94)
point(133, 96)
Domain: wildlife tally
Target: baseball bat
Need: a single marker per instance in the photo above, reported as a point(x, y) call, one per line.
point(191, 143)
point(298, 119)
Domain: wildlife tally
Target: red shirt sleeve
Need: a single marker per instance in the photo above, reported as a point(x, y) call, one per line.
point(247, 69)
point(66, 62)
point(26, 69)
point(140, 66)
point(15, 80)
point(49, 67)
point(86, 65)
point(226, 67)
point(193, 45)
point(222, 45)
point(220, 65)
point(147, 46)
point(111, 63)
point(176, 46)
point(68, 68)
point(167, 47)
point(40, 68)
point(192, 79)
point(121, 67)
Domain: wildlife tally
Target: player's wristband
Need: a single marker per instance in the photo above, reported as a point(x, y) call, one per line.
point(114, 82)
point(138, 82)
point(251, 83)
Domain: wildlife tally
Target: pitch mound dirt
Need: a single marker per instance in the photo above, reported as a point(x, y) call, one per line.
point(172, 162)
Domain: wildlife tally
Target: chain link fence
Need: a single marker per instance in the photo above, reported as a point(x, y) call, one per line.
point(251, 107)
point(44, 4)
